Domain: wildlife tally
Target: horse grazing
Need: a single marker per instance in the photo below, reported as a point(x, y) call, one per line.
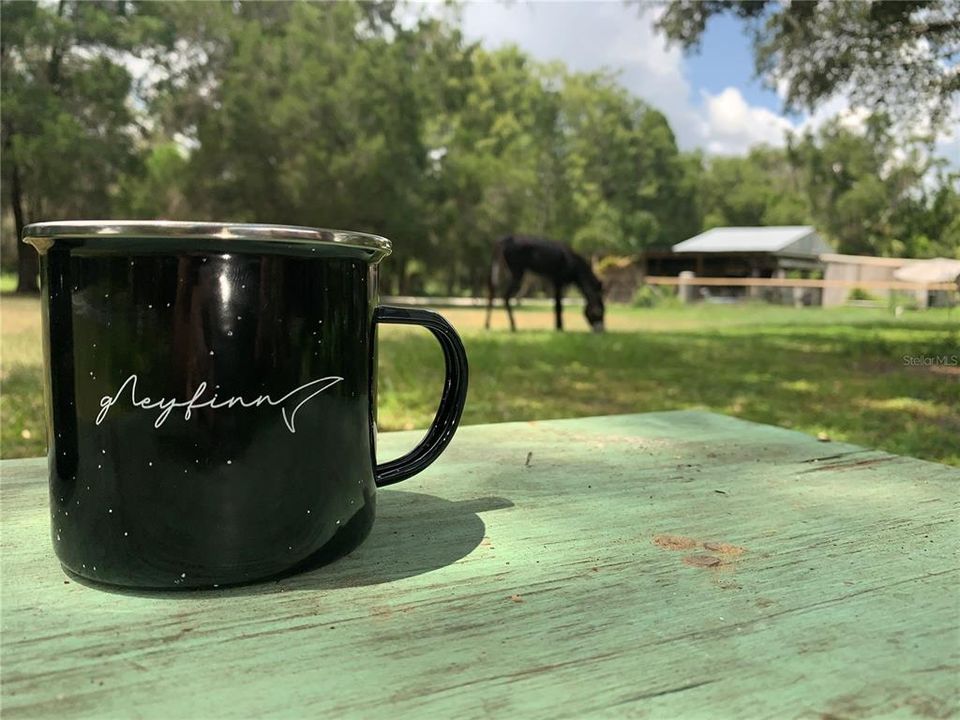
point(552, 260)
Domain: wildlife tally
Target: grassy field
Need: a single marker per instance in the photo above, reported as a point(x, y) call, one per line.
point(843, 372)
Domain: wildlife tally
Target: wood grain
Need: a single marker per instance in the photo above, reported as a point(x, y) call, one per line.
point(675, 565)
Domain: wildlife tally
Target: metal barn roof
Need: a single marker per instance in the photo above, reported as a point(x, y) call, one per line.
point(782, 239)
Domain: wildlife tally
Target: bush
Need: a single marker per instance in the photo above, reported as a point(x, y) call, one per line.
point(860, 294)
point(649, 296)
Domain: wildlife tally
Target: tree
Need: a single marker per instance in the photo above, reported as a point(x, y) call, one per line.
point(631, 187)
point(865, 191)
point(68, 131)
point(896, 57)
point(761, 188)
point(303, 113)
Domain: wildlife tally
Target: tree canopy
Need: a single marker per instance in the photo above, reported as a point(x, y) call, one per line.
point(339, 114)
point(895, 57)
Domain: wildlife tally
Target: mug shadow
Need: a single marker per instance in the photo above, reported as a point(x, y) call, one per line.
point(413, 534)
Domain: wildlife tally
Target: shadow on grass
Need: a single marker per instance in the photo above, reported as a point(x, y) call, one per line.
point(843, 384)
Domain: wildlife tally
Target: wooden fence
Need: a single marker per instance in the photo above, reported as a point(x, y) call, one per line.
point(797, 283)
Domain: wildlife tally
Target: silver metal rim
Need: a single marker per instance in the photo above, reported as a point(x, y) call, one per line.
point(202, 231)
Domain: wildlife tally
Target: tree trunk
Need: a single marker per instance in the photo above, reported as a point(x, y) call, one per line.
point(401, 270)
point(28, 263)
point(451, 279)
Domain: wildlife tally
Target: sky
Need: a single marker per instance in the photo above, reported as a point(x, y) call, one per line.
point(712, 99)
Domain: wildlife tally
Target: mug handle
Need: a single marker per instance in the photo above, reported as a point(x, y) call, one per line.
point(451, 402)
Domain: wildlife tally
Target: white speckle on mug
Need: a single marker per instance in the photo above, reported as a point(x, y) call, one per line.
point(216, 585)
point(150, 463)
point(99, 466)
point(125, 533)
point(106, 295)
point(338, 522)
point(94, 567)
point(239, 318)
point(308, 512)
point(229, 462)
point(289, 547)
point(168, 304)
point(229, 333)
point(91, 373)
point(66, 512)
point(58, 536)
point(109, 510)
point(211, 352)
point(83, 565)
point(103, 452)
point(183, 575)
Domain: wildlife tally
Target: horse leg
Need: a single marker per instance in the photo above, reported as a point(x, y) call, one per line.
point(512, 288)
point(558, 305)
point(490, 291)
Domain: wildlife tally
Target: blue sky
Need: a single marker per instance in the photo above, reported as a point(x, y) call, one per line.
point(712, 99)
point(725, 59)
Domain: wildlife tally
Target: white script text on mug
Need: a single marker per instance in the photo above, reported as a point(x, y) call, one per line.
point(168, 405)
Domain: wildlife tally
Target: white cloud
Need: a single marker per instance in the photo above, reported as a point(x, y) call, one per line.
point(733, 126)
point(838, 107)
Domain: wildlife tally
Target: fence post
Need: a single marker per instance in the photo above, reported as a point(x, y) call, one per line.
point(687, 289)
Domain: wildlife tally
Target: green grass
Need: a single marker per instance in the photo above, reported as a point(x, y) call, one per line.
point(841, 372)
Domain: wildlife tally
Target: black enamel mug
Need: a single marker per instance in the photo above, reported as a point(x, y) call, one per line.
point(211, 394)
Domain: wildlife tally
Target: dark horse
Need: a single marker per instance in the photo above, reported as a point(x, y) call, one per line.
point(552, 260)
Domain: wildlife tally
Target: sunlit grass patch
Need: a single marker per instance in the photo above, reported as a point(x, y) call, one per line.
point(841, 372)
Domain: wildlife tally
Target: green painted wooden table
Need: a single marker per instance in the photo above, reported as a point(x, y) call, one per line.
point(663, 565)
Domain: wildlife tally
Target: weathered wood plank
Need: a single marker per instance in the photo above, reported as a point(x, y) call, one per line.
point(662, 565)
